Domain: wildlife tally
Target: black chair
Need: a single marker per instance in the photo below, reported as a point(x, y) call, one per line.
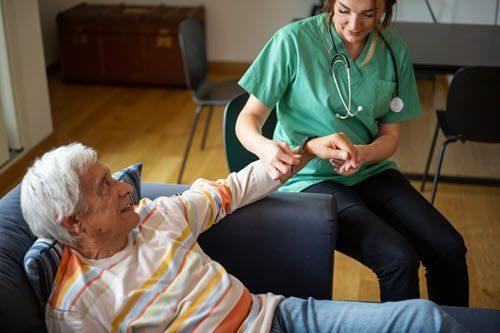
point(238, 156)
point(206, 93)
point(472, 114)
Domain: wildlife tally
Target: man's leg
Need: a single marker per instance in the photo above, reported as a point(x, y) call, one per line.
point(299, 315)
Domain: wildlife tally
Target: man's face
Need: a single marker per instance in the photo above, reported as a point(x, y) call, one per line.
point(110, 216)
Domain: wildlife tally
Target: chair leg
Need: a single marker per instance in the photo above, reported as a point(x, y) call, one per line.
point(438, 168)
point(190, 140)
point(207, 125)
point(429, 158)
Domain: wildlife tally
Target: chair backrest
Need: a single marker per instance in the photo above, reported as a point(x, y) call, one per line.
point(473, 106)
point(238, 156)
point(193, 51)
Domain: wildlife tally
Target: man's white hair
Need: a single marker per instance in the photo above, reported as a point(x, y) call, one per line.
point(50, 190)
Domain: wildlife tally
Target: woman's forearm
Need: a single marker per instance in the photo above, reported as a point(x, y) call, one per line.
point(380, 149)
point(249, 132)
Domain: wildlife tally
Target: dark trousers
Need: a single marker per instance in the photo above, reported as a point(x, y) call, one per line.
point(388, 226)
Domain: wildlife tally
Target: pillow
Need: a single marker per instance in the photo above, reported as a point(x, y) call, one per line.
point(43, 258)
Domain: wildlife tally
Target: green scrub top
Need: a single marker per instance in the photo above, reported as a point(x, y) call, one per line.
point(291, 74)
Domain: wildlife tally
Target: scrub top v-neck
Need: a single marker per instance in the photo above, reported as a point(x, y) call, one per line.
point(292, 76)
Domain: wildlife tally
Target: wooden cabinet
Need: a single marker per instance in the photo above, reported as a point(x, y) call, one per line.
point(123, 44)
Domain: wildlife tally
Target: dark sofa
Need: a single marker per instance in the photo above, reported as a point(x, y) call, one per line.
point(283, 243)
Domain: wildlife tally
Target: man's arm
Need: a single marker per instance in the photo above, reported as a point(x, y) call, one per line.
point(207, 202)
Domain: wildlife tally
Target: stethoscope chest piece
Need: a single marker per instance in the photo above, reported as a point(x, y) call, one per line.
point(396, 104)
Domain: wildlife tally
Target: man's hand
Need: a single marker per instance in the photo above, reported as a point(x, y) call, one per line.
point(335, 146)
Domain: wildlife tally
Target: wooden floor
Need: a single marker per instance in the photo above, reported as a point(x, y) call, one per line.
point(151, 125)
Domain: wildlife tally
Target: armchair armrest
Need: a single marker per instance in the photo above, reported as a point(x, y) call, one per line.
point(282, 244)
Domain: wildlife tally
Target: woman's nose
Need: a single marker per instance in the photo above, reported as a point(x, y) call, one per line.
point(354, 22)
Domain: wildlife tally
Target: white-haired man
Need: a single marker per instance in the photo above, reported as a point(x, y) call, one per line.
point(128, 268)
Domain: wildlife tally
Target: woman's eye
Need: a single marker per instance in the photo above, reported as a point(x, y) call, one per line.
point(343, 11)
point(369, 15)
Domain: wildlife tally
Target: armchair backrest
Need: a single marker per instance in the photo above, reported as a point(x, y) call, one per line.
point(237, 156)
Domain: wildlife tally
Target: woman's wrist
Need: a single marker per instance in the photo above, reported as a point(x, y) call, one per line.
point(259, 146)
point(364, 154)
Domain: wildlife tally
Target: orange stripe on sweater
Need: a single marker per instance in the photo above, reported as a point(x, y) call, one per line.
point(229, 287)
point(148, 216)
point(225, 194)
point(181, 200)
point(238, 314)
point(68, 266)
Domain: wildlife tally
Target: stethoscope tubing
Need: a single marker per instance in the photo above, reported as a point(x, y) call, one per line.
point(340, 57)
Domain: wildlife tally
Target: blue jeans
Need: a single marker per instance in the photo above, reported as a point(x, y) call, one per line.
point(300, 315)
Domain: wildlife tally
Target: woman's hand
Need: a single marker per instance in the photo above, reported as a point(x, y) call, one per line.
point(334, 146)
point(277, 158)
point(346, 167)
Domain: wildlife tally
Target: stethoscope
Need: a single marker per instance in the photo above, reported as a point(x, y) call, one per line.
point(396, 104)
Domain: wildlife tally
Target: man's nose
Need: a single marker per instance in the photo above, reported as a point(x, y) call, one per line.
point(124, 189)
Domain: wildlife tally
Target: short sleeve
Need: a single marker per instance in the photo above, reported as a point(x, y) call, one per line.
point(408, 92)
point(270, 75)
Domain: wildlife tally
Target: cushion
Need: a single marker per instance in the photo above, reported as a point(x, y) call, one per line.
point(43, 258)
point(19, 308)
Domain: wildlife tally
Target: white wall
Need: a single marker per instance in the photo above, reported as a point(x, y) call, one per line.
point(10, 129)
point(29, 109)
point(448, 11)
point(238, 29)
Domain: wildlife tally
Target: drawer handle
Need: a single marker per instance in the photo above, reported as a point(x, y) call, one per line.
point(80, 39)
point(163, 42)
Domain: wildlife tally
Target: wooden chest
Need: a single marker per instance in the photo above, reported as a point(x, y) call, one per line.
point(123, 44)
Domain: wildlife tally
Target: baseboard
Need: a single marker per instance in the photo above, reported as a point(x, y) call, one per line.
point(455, 179)
point(14, 173)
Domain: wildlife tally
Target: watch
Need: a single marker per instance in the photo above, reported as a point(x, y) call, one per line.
point(302, 145)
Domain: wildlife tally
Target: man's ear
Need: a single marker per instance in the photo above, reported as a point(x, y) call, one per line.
point(73, 224)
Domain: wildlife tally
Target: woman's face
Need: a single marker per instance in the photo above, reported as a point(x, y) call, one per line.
point(354, 19)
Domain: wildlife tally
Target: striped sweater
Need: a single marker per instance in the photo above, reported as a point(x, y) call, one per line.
point(162, 280)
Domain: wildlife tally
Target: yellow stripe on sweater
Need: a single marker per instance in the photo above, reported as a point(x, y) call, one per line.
point(179, 322)
point(212, 208)
point(157, 275)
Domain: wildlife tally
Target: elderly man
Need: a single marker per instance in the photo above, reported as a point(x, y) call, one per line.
point(127, 268)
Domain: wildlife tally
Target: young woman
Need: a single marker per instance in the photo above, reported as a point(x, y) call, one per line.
point(344, 72)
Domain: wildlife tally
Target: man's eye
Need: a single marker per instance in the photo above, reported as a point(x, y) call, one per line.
point(106, 183)
point(369, 15)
